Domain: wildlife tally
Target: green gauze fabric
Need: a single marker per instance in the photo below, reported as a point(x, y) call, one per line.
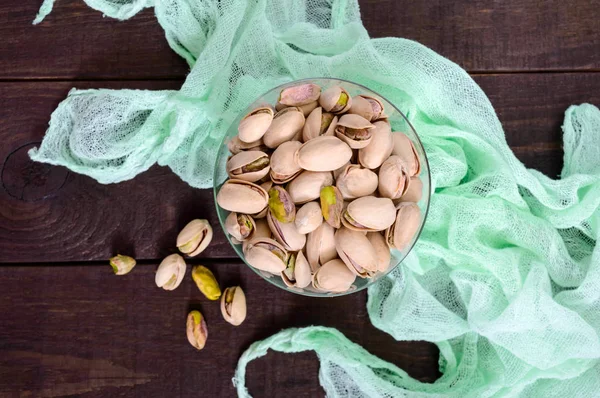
point(506, 276)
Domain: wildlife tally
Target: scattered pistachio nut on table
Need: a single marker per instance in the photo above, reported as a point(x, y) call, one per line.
point(320, 190)
point(196, 330)
point(194, 237)
point(206, 282)
point(170, 272)
point(122, 264)
point(233, 305)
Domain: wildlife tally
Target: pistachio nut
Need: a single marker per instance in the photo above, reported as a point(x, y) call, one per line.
point(248, 166)
point(368, 107)
point(254, 125)
point(355, 182)
point(266, 254)
point(369, 214)
point(323, 154)
point(283, 163)
point(235, 145)
point(121, 264)
point(335, 100)
point(407, 222)
point(281, 205)
point(239, 226)
point(233, 305)
point(300, 94)
point(194, 237)
point(170, 272)
point(382, 251)
point(380, 147)
point(393, 178)
point(333, 276)
point(319, 123)
point(242, 197)
point(320, 246)
point(286, 233)
point(196, 330)
point(206, 282)
point(286, 123)
point(307, 186)
point(261, 230)
point(308, 217)
point(405, 149)
point(308, 108)
point(356, 252)
point(297, 272)
point(332, 204)
point(354, 130)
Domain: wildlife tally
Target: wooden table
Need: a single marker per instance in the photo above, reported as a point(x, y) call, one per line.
point(68, 326)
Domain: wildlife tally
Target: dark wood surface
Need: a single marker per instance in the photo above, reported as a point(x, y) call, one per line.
point(70, 327)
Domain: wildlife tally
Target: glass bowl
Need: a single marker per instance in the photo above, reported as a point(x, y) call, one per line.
point(398, 121)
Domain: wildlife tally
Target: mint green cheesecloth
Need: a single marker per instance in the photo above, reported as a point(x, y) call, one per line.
point(506, 276)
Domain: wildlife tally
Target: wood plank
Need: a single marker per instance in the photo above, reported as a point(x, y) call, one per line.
point(49, 215)
point(79, 330)
point(480, 35)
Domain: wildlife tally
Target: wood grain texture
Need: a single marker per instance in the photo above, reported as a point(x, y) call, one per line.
point(80, 330)
point(76, 42)
point(70, 217)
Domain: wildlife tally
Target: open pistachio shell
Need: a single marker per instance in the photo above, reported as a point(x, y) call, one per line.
point(332, 204)
point(354, 182)
point(297, 273)
point(414, 191)
point(235, 145)
point(380, 147)
point(354, 138)
point(362, 107)
point(377, 107)
point(393, 178)
point(307, 186)
point(369, 214)
point(266, 255)
point(233, 305)
point(323, 154)
point(353, 121)
point(248, 166)
point(254, 125)
point(242, 197)
point(320, 246)
point(194, 237)
point(286, 233)
point(404, 148)
point(281, 205)
point(286, 123)
point(382, 251)
point(240, 226)
point(308, 217)
point(300, 94)
point(335, 100)
point(356, 252)
point(319, 123)
point(333, 276)
point(407, 222)
point(261, 230)
point(283, 163)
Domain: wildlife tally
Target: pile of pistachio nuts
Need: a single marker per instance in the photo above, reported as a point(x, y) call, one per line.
point(320, 188)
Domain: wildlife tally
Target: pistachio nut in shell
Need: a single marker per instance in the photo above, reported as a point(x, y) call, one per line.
point(242, 197)
point(355, 181)
point(352, 121)
point(354, 138)
point(248, 166)
point(308, 108)
point(281, 205)
point(266, 254)
point(319, 123)
point(308, 217)
point(382, 251)
point(283, 164)
point(332, 204)
point(320, 246)
point(380, 147)
point(235, 145)
point(297, 273)
point(261, 230)
point(239, 226)
point(195, 237)
point(254, 125)
point(300, 94)
point(333, 276)
point(206, 282)
point(121, 264)
point(376, 110)
point(335, 100)
point(407, 222)
point(369, 214)
point(170, 272)
point(307, 186)
point(323, 154)
point(356, 251)
point(393, 178)
point(405, 149)
point(233, 305)
point(414, 191)
point(196, 330)
point(286, 123)
point(360, 106)
point(286, 233)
